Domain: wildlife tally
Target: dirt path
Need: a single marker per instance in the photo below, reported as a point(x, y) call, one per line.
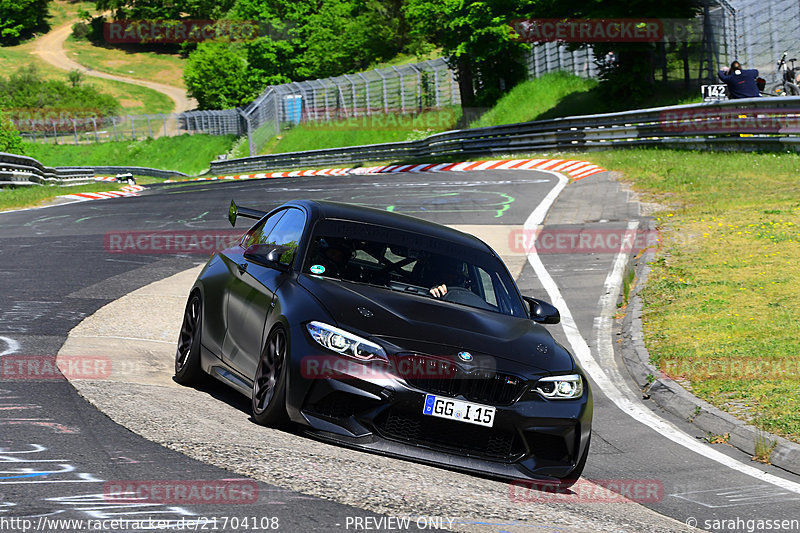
point(50, 47)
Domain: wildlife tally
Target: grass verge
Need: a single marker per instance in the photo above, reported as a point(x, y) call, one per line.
point(186, 153)
point(723, 294)
point(34, 195)
point(129, 62)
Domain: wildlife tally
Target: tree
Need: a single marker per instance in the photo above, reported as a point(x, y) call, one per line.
point(10, 140)
point(632, 74)
point(161, 10)
point(303, 40)
point(75, 77)
point(20, 18)
point(478, 41)
point(216, 74)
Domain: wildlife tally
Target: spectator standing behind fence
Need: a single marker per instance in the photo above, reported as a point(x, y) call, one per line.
point(741, 83)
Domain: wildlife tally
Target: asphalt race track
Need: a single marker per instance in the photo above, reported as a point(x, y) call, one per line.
point(59, 454)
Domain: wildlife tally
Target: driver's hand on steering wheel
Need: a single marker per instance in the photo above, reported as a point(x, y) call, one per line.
point(438, 291)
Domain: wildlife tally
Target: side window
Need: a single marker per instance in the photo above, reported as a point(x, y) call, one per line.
point(287, 232)
point(258, 233)
point(488, 287)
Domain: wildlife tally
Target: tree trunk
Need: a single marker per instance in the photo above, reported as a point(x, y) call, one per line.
point(465, 83)
point(686, 74)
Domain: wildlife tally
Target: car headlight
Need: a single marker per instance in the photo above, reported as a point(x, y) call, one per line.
point(561, 387)
point(344, 342)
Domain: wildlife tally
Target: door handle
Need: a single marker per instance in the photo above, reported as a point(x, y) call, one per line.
point(242, 268)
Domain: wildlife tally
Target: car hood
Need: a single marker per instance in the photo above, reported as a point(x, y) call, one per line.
point(429, 326)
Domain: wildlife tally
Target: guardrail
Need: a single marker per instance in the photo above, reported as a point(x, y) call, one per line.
point(20, 170)
point(137, 171)
point(754, 124)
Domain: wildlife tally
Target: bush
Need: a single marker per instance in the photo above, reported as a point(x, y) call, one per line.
point(10, 140)
point(80, 30)
point(33, 97)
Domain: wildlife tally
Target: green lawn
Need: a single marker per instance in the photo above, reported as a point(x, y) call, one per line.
point(128, 61)
point(187, 153)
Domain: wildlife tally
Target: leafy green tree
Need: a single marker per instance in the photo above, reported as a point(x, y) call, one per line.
point(303, 40)
point(478, 40)
point(161, 10)
point(10, 140)
point(632, 75)
point(348, 36)
point(216, 74)
point(20, 18)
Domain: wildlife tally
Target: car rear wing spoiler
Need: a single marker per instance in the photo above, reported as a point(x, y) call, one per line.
point(236, 211)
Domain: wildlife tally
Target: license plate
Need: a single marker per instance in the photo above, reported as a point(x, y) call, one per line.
point(473, 413)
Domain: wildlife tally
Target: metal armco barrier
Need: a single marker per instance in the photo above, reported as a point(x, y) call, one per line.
point(20, 170)
point(755, 124)
point(136, 171)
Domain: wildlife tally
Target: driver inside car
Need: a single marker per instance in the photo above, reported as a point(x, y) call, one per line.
point(443, 272)
point(335, 255)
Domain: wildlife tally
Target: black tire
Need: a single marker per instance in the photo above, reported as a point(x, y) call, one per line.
point(575, 475)
point(268, 401)
point(188, 370)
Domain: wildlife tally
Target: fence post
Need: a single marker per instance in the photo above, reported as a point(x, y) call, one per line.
point(385, 97)
point(94, 126)
point(33, 130)
point(436, 87)
point(402, 90)
point(251, 143)
point(149, 130)
point(164, 119)
point(75, 131)
point(353, 105)
point(452, 85)
point(133, 128)
point(277, 100)
point(419, 85)
point(325, 99)
point(366, 90)
point(55, 132)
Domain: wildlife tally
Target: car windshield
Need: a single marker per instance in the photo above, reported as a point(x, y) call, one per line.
point(411, 263)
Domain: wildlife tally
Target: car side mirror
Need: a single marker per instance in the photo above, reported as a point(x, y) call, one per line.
point(542, 312)
point(270, 256)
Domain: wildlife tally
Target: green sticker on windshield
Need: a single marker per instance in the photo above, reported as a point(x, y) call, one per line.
point(317, 269)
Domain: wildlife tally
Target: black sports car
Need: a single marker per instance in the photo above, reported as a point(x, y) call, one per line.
point(388, 333)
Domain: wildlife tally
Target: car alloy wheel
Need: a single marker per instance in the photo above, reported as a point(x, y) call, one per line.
point(187, 357)
point(269, 385)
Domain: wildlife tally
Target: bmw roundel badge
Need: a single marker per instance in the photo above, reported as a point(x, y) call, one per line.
point(465, 356)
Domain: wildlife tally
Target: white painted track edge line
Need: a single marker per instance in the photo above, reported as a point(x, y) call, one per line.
point(582, 352)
